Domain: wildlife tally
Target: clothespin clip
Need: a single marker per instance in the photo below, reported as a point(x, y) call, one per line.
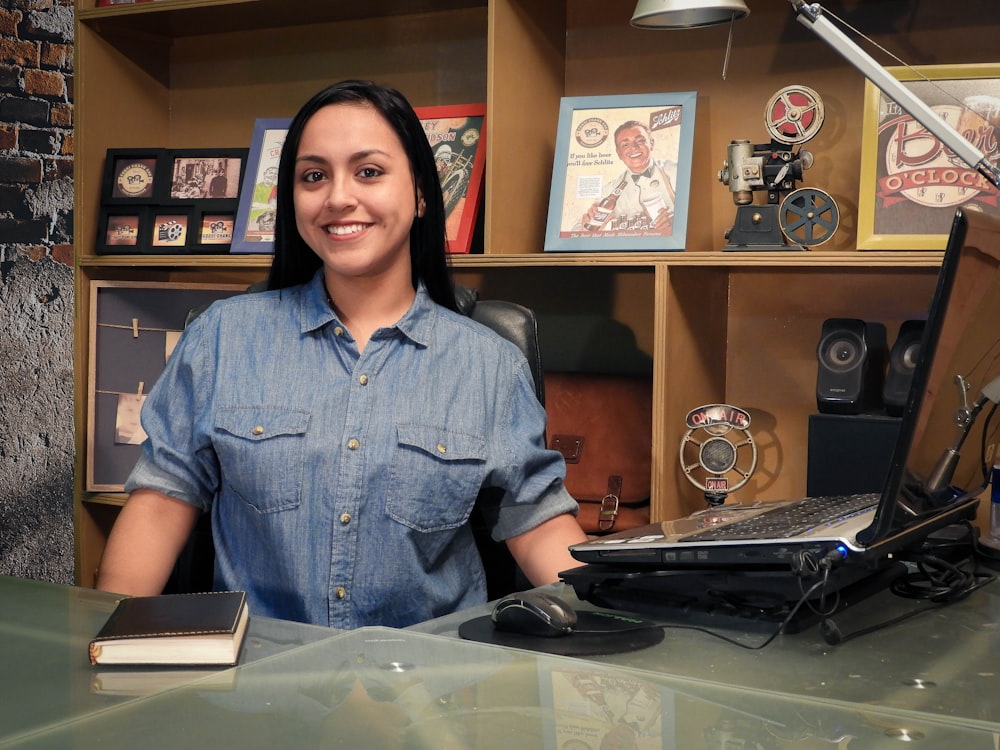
point(135, 329)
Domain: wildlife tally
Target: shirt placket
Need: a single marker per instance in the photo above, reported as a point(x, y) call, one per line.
point(356, 453)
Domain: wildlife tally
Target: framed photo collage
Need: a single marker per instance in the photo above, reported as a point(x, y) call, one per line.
point(169, 200)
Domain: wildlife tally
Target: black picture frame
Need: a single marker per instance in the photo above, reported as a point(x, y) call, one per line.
point(198, 188)
point(122, 230)
point(133, 176)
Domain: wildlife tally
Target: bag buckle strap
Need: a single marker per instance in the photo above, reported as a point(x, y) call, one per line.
point(608, 513)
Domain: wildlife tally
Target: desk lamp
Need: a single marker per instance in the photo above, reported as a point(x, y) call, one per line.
point(686, 14)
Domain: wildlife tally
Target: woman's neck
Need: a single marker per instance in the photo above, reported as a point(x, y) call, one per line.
point(366, 304)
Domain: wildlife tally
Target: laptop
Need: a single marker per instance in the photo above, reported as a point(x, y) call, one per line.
point(937, 468)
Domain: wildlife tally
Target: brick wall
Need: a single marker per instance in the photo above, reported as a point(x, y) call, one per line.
point(36, 289)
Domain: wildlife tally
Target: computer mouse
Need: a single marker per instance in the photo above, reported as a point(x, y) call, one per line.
point(534, 613)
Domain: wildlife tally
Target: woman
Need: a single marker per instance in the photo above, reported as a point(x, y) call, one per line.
point(340, 425)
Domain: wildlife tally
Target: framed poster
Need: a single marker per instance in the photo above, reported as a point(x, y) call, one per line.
point(457, 137)
point(910, 183)
point(155, 200)
point(253, 229)
point(622, 173)
point(134, 327)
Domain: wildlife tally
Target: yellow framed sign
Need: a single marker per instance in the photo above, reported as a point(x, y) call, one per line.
point(910, 183)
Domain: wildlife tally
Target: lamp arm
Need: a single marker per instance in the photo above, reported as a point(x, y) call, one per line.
point(811, 15)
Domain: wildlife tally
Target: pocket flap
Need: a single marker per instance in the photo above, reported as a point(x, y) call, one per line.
point(261, 423)
point(442, 444)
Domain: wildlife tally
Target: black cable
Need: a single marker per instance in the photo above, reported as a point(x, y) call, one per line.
point(935, 580)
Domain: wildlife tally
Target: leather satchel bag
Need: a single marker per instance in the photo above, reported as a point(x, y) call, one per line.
point(603, 426)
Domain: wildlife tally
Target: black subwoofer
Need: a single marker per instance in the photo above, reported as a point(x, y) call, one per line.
point(851, 358)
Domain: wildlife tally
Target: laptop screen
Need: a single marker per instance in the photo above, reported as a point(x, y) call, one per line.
point(948, 423)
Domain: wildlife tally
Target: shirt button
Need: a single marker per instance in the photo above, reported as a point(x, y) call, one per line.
point(353, 444)
point(338, 331)
point(345, 518)
point(258, 430)
point(442, 448)
point(340, 592)
point(363, 380)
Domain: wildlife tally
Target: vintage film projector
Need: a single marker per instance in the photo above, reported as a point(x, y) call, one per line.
point(791, 219)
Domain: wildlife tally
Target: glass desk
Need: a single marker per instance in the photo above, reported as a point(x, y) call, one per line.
point(943, 663)
point(304, 687)
point(47, 678)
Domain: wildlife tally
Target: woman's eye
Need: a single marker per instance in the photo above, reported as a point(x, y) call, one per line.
point(313, 175)
point(369, 172)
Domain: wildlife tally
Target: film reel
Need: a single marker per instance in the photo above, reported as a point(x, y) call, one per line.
point(808, 216)
point(794, 114)
point(718, 455)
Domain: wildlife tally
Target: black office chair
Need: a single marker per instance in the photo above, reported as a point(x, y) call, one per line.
point(516, 323)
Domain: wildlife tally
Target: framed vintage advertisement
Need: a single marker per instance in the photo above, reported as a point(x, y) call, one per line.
point(910, 183)
point(622, 173)
point(253, 230)
point(457, 136)
point(133, 329)
point(156, 200)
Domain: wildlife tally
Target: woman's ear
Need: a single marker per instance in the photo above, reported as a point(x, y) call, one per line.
point(421, 205)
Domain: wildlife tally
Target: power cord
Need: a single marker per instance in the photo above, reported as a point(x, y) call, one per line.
point(934, 579)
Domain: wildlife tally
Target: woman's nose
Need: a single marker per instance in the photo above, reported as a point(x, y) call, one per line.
point(339, 193)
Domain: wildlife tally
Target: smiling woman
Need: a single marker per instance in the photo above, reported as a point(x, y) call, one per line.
point(334, 500)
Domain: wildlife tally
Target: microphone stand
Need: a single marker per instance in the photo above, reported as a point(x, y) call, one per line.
point(965, 417)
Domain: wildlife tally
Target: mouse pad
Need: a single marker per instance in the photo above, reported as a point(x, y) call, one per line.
point(596, 633)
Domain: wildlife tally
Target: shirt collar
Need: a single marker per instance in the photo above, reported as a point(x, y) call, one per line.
point(416, 324)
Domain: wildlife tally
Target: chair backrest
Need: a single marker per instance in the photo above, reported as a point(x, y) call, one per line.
point(516, 323)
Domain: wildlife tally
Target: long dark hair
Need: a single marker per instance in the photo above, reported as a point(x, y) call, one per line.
point(295, 262)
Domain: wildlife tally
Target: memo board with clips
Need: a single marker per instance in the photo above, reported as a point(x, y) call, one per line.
point(133, 328)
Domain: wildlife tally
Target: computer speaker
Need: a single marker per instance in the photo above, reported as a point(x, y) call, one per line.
point(902, 362)
point(852, 357)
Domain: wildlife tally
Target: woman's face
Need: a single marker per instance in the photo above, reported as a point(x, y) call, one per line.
point(354, 192)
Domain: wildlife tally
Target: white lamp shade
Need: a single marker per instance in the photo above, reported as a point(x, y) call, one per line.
point(686, 14)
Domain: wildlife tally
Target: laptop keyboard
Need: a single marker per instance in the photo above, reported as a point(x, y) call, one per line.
point(789, 520)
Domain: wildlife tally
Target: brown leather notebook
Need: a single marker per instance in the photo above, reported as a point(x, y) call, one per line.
point(205, 628)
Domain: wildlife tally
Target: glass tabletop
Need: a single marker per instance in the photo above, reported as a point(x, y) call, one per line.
point(380, 688)
point(48, 679)
point(941, 663)
point(926, 679)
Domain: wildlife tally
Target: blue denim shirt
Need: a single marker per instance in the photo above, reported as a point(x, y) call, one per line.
point(340, 484)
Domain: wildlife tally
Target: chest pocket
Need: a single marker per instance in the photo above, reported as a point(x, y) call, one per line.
point(262, 451)
point(436, 476)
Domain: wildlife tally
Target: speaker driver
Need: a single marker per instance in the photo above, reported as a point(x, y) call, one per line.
point(842, 351)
